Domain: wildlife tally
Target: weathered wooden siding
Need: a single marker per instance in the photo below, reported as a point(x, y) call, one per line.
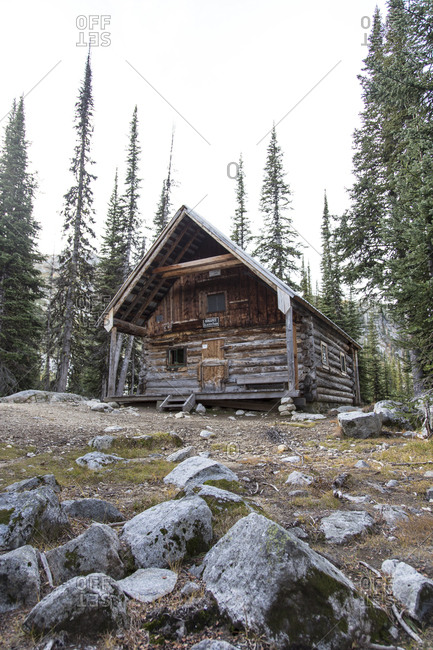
point(248, 302)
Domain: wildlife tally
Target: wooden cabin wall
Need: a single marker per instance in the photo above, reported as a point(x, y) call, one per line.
point(246, 352)
point(248, 302)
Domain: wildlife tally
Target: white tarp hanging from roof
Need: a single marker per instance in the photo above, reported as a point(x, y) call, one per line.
point(284, 303)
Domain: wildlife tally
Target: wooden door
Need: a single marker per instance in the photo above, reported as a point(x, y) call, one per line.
point(213, 367)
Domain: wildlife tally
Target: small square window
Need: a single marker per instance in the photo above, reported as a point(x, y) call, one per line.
point(159, 318)
point(176, 358)
point(343, 365)
point(216, 302)
point(324, 353)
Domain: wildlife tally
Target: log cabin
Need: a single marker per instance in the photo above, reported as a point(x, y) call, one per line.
point(218, 328)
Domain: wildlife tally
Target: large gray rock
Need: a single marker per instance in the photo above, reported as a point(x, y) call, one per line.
point(342, 526)
point(168, 532)
point(94, 509)
point(101, 442)
point(19, 579)
point(360, 425)
point(147, 585)
point(196, 470)
point(391, 413)
point(95, 460)
point(214, 644)
point(181, 454)
point(310, 417)
point(83, 605)
point(412, 589)
point(29, 513)
point(268, 580)
point(220, 498)
point(28, 484)
point(25, 396)
point(94, 551)
point(393, 515)
point(298, 478)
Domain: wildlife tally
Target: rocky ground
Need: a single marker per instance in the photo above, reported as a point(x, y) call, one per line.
point(263, 449)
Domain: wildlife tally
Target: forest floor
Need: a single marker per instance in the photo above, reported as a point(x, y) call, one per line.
point(47, 438)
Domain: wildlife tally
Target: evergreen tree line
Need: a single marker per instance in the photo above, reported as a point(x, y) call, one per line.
point(382, 245)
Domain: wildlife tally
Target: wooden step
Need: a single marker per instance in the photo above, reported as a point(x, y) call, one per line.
point(178, 403)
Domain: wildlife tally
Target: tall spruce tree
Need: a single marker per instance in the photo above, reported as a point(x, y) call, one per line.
point(305, 284)
point(163, 210)
point(241, 229)
point(277, 246)
point(331, 296)
point(134, 242)
point(76, 265)
point(20, 281)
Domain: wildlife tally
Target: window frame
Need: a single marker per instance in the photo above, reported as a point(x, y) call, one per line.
point(216, 311)
point(324, 354)
point(343, 363)
point(171, 365)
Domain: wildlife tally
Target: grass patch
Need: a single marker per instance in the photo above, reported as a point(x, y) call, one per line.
point(12, 452)
point(413, 451)
point(131, 446)
point(224, 484)
point(223, 520)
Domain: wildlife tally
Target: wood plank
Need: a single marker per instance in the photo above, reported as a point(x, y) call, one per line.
point(206, 261)
point(111, 388)
point(266, 377)
point(129, 328)
point(200, 269)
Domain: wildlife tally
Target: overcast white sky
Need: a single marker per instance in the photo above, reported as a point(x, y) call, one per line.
point(229, 68)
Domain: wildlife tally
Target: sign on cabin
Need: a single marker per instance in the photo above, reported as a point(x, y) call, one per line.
point(211, 322)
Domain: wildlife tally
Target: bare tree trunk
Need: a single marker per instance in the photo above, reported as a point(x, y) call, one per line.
point(65, 356)
point(417, 374)
point(124, 369)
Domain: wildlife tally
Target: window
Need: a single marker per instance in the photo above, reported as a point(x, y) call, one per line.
point(324, 353)
point(343, 365)
point(216, 302)
point(176, 358)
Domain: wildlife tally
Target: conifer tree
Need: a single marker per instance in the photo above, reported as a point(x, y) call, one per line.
point(331, 298)
point(372, 388)
point(76, 265)
point(20, 281)
point(163, 210)
point(132, 222)
point(241, 229)
point(305, 285)
point(277, 248)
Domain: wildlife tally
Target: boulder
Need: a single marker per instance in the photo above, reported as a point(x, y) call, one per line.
point(391, 514)
point(266, 579)
point(19, 579)
point(290, 459)
point(26, 396)
point(200, 409)
point(391, 413)
point(361, 464)
point(84, 605)
point(429, 494)
point(29, 513)
point(28, 484)
point(207, 434)
point(114, 428)
point(101, 407)
point(240, 412)
point(196, 470)
point(168, 532)
point(412, 589)
point(342, 526)
point(94, 509)
point(347, 409)
point(94, 551)
point(95, 460)
point(360, 425)
point(298, 478)
point(101, 442)
point(147, 585)
point(190, 589)
point(214, 644)
point(181, 454)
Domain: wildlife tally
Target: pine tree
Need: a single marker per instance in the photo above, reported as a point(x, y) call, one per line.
point(277, 248)
point(161, 217)
point(108, 279)
point(134, 242)
point(20, 281)
point(305, 285)
point(331, 299)
point(372, 388)
point(241, 229)
point(132, 222)
point(76, 267)
point(352, 317)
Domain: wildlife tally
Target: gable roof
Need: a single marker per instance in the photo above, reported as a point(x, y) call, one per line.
point(188, 237)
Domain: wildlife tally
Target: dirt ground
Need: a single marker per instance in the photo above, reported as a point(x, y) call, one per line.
point(47, 438)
